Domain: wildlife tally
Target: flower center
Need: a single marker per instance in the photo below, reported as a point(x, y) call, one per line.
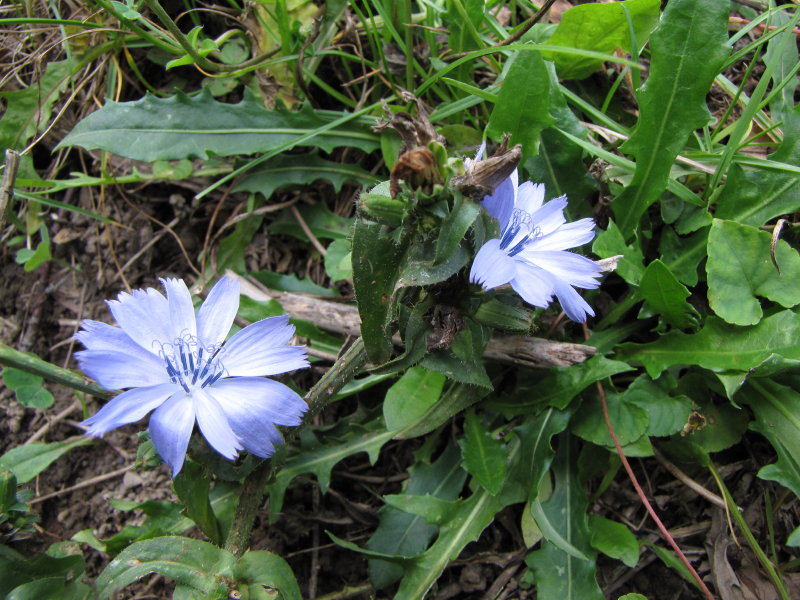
point(187, 361)
point(519, 232)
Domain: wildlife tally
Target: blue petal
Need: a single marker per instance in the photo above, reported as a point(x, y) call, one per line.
point(568, 267)
point(534, 285)
point(144, 316)
point(550, 216)
point(118, 370)
point(500, 204)
point(252, 405)
point(127, 408)
point(573, 304)
point(568, 235)
point(170, 429)
point(259, 349)
point(530, 197)
point(492, 267)
point(214, 426)
point(182, 321)
point(100, 336)
point(216, 315)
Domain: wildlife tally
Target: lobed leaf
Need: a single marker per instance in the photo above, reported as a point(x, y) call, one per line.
point(292, 170)
point(183, 126)
point(719, 346)
point(688, 50)
point(401, 533)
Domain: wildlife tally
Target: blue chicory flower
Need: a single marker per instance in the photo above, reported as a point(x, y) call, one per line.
point(531, 251)
point(178, 365)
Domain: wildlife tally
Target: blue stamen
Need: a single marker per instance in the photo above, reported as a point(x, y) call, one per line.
point(213, 379)
point(183, 359)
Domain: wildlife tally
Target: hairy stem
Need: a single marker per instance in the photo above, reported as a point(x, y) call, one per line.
point(317, 398)
point(33, 364)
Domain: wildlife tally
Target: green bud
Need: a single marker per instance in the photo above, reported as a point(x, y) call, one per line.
point(383, 209)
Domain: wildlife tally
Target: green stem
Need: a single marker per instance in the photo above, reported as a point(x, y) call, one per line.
point(343, 370)
point(153, 39)
point(776, 578)
point(189, 48)
point(33, 364)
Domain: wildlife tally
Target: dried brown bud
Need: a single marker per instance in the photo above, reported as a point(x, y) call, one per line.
point(417, 168)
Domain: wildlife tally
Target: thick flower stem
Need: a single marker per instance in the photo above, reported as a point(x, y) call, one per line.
point(9, 357)
point(252, 494)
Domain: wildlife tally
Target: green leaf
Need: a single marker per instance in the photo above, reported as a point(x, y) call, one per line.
point(629, 421)
point(320, 460)
point(683, 255)
point(290, 283)
point(719, 346)
point(33, 259)
point(666, 296)
point(16, 571)
point(495, 313)
point(454, 228)
point(198, 126)
point(419, 269)
point(522, 107)
point(614, 539)
point(377, 259)
point(794, 538)
point(198, 565)
point(568, 575)
point(611, 243)
point(411, 397)
point(484, 455)
point(162, 519)
point(191, 486)
point(469, 370)
point(559, 165)
point(261, 568)
point(739, 269)
point(322, 222)
point(292, 170)
point(666, 414)
point(466, 519)
point(400, 533)
point(27, 461)
point(601, 28)
point(688, 50)
point(339, 260)
point(51, 587)
point(777, 411)
point(456, 398)
point(534, 435)
point(28, 110)
point(28, 388)
point(560, 385)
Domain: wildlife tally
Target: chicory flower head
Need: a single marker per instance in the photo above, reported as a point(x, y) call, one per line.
point(177, 364)
point(531, 251)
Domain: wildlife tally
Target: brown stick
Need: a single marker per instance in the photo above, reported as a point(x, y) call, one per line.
point(343, 318)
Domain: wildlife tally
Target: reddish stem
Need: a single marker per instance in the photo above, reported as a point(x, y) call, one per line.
point(643, 498)
point(640, 492)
